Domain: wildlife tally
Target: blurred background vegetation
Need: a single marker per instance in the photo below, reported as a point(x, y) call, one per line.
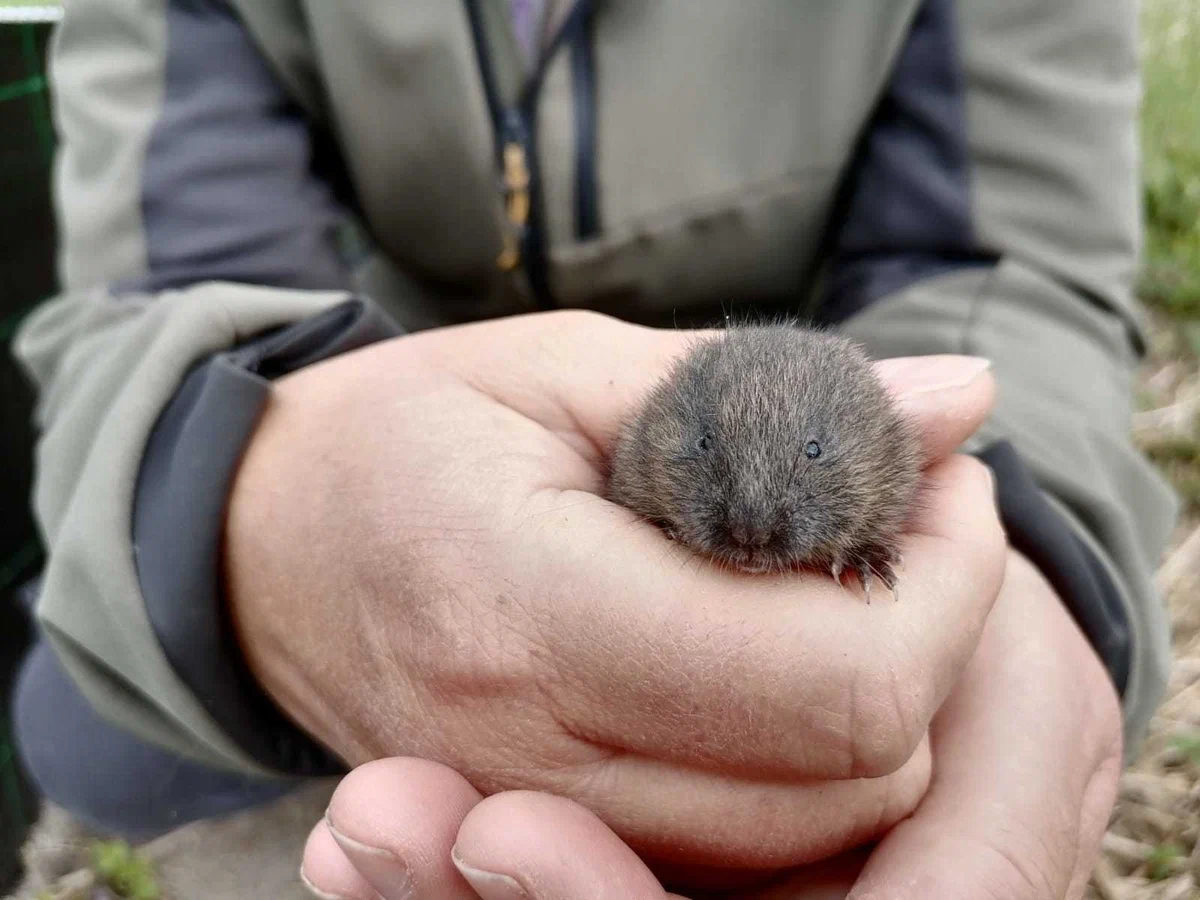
point(1170, 283)
point(1152, 848)
point(1171, 155)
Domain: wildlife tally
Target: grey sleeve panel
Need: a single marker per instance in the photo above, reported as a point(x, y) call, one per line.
point(172, 170)
point(281, 30)
point(228, 191)
point(904, 209)
point(106, 63)
point(105, 368)
point(181, 168)
point(907, 217)
point(993, 209)
point(1052, 115)
point(1005, 130)
point(1064, 369)
point(179, 514)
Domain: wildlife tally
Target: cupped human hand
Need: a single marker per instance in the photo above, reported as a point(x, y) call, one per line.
point(419, 564)
point(1027, 752)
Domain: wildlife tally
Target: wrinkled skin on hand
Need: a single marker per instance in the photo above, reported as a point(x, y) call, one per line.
point(418, 565)
point(1027, 752)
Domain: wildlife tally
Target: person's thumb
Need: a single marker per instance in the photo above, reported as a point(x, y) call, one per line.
point(948, 397)
point(580, 372)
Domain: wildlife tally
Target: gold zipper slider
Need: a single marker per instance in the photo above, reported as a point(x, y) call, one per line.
point(510, 256)
point(516, 203)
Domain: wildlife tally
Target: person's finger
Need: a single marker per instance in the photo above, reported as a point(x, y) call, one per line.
point(529, 846)
point(580, 374)
point(673, 815)
point(1094, 818)
point(328, 874)
point(1027, 745)
point(395, 821)
point(770, 677)
point(830, 879)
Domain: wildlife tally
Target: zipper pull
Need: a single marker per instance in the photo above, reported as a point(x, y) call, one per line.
point(516, 203)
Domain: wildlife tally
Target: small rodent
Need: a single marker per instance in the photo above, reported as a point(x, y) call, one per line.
point(772, 447)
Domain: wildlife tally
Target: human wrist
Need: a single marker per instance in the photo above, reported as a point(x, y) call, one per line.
point(259, 491)
point(291, 545)
point(184, 486)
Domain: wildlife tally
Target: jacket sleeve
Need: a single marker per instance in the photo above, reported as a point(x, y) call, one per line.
point(199, 259)
point(993, 209)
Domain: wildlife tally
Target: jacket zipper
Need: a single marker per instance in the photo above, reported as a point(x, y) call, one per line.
point(518, 192)
point(516, 148)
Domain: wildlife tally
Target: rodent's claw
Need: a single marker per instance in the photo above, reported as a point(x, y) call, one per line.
point(869, 570)
point(888, 577)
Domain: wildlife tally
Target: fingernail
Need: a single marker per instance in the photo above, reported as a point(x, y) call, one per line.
point(316, 891)
point(928, 375)
point(383, 868)
point(489, 885)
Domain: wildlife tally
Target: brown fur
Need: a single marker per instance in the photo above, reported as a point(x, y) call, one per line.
point(749, 496)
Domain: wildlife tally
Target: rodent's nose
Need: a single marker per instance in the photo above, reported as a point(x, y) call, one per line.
point(750, 533)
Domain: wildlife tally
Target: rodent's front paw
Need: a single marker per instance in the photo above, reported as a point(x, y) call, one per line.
point(869, 565)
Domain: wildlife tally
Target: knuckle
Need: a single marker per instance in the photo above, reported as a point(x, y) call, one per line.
point(1025, 875)
point(575, 321)
point(888, 719)
point(561, 333)
point(879, 753)
point(980, 471)
point(973, 472)
point(990, 872)
point(988, 541)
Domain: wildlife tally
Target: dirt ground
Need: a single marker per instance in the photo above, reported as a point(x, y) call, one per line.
point(1151, 851)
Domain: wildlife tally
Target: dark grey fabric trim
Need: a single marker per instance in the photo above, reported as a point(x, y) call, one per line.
point(66, 748)
point(1036, 530)
point(904, 213)
point(228, 189)
point(179, 511)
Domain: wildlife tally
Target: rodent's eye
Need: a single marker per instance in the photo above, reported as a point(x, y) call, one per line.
point(812, 449)
point(704, 443)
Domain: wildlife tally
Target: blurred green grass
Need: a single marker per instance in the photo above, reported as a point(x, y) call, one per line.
point(1171, 155)
point(1170, 279)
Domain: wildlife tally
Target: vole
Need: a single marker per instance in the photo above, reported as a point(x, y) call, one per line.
point(773, 447)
